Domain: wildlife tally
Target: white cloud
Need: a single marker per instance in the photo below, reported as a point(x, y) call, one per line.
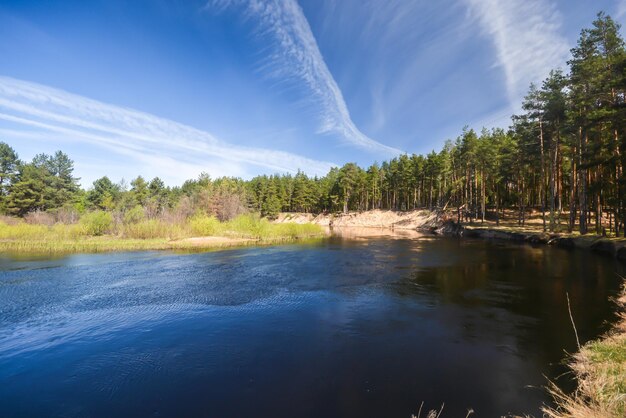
point(144, 138)
point(297, 55)
point(526, 37)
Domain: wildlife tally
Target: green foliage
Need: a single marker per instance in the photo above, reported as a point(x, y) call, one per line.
point(96, 223)
point(134, 215)
point(9, 165)
point(27, 193)
point(103, 194)
point(139, 191)
point(204, 226)
point(250, 226)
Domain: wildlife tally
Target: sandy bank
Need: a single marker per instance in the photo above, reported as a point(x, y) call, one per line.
point(417, 219)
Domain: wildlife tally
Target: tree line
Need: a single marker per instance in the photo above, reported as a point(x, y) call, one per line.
point(562, 156)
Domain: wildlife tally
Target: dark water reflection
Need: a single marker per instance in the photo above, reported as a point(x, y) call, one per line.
point(339, 328)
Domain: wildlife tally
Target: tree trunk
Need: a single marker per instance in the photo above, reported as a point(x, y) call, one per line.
point(542, 180)
point(572, 193)
point(582, 194)
point(553, 173)
point(483, 192)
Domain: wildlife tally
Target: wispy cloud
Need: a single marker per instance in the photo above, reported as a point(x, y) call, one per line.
point(621, 9)
point(144, 138)
point(526, 35)
point(296, 55)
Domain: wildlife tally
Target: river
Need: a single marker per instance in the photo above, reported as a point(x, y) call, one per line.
point(342, 327)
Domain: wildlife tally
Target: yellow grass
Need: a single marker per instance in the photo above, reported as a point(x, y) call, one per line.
point(150, 235)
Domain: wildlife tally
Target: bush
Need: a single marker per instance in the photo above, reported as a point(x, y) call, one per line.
point(96, 223)
point(153, 228)
point(204, 225)
point(67, 214)
point(250, 225)
point(134, 215)
point(227, 206)
point(39, 217)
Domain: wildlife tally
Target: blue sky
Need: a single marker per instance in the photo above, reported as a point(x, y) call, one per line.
point(243, 87)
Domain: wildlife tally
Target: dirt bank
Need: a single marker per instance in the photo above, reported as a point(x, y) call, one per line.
point(415, 220)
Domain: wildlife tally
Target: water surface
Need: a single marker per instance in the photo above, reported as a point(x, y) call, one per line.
point(338, 328)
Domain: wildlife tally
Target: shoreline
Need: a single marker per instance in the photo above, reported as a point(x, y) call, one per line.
point(614, 247)
point(104, 244)
point(437, 223)
point(383, 222)
point(599, 368)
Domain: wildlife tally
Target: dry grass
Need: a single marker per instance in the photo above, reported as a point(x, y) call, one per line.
point(21, 237)
point(600, 368)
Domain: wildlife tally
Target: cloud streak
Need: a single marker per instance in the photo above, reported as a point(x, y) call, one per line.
point(620, 9)
point(140, 136)
point(527, 39)
point(296, 55)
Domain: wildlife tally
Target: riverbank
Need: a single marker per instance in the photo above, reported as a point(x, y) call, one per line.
point(376, 218)
point(614, 247)
point(197, 234)
point(112, 243)
point(600, 370)
point(438, 223)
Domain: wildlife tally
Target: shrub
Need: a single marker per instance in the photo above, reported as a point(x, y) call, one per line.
point(204, 225)
point(227, 206)
point(153, 228)
point(96, 223)
point(39, 217)
point(67, 214)
point(249, 225)
point(134, 215)
point(182, 211)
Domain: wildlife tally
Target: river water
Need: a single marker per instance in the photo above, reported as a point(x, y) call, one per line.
point(343, 327)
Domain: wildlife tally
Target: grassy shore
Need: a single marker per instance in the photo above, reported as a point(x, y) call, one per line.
point(600, 369)
point(196, 233)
